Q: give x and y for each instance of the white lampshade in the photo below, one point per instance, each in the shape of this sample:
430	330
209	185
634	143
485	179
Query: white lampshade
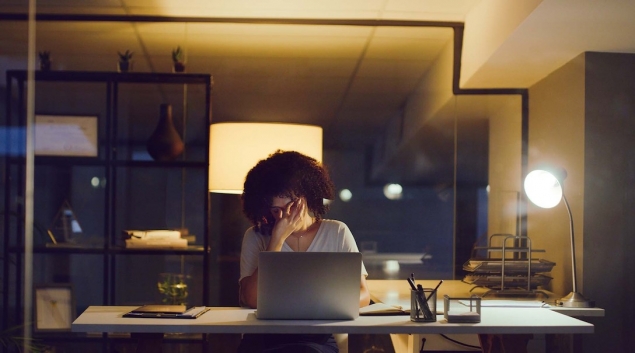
543	188
235	148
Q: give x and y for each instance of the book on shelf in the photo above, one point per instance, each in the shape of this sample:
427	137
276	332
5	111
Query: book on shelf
156	243
154	234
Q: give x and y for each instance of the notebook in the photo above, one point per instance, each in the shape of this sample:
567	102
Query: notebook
167	311
308	285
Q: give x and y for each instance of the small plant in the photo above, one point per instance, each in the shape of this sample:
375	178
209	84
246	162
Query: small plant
173	287
177	55
177	58
45	60
125	57
125	61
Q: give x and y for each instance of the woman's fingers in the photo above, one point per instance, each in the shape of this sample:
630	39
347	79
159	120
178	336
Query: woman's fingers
298	210
289	208
291	215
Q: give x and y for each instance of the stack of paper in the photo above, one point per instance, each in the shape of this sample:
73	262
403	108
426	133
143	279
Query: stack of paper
382	309
167	311
154	239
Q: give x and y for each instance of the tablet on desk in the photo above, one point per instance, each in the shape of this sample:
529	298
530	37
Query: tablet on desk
167	311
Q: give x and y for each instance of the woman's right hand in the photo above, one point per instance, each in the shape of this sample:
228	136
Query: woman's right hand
288	220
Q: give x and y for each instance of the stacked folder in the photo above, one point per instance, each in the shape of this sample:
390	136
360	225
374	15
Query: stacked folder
160	238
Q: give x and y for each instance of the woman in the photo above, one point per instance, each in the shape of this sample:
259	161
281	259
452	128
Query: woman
283	198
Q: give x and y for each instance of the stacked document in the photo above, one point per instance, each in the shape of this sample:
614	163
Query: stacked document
159	238
167	312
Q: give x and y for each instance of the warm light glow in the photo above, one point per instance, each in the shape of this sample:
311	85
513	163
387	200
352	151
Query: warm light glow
346	195
235	148
391	267
543	189
393	191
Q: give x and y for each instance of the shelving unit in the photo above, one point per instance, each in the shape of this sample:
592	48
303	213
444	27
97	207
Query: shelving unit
121	188
513	272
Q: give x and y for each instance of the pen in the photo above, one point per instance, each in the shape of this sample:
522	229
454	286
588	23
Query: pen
419	297
434	290
412	284
423	303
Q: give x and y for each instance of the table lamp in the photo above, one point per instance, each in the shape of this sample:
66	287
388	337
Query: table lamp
544	188
235	148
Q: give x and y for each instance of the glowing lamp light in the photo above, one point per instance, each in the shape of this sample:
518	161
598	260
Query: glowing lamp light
235	148
545	189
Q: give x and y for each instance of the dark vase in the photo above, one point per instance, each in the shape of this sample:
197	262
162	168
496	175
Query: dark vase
124	66
45	65
165	144
178	67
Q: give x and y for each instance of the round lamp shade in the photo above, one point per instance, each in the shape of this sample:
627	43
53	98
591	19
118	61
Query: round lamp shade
235	148
543	188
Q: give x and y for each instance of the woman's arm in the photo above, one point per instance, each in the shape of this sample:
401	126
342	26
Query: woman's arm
248	290
287	222
364	293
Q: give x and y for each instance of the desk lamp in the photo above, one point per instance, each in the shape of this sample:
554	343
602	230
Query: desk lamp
544	188
234	148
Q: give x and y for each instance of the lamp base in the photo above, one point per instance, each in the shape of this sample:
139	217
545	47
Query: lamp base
575	300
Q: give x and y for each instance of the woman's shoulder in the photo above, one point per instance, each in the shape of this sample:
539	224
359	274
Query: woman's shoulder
252	233
332	224
254	240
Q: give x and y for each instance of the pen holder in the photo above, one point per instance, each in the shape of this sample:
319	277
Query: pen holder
462	309
423	305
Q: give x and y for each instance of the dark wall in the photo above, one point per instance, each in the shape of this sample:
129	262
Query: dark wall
609	197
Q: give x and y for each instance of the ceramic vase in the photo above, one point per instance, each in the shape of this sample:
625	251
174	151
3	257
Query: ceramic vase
124	66
165	143
178	67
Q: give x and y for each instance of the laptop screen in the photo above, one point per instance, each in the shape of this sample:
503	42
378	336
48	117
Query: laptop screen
308	285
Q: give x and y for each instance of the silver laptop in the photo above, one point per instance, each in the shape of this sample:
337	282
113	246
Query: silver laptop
308	285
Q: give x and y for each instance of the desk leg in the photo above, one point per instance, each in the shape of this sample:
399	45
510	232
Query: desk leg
516	343
148	342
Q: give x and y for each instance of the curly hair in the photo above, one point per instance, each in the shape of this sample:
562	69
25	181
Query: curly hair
285	174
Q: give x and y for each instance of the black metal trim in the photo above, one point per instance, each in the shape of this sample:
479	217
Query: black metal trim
237	20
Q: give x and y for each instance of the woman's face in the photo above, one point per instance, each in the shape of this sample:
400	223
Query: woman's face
280	204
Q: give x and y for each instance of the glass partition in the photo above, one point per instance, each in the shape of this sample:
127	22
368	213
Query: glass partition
383	95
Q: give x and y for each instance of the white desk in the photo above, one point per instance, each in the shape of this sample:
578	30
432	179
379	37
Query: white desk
238	320
397	292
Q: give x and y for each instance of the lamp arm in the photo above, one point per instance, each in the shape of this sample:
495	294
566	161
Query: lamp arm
575	283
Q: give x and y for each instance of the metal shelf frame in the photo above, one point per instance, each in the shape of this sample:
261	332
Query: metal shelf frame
14	174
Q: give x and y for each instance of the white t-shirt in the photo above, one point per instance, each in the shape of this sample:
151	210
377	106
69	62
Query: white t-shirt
332	236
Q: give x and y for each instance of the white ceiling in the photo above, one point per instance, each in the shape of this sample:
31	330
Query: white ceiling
344	78
444	10
549	36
